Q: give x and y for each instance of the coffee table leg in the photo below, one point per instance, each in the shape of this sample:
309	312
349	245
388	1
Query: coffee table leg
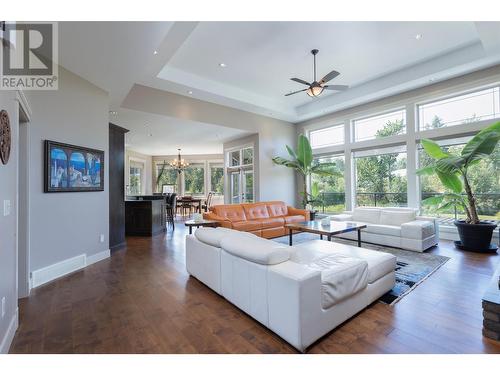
359	238
320	236
290	237
329	238
190	229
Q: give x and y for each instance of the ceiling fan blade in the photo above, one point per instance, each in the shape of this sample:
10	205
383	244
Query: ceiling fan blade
336	87
329	76
300	81
295	92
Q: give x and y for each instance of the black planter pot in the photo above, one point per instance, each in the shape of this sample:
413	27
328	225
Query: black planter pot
475	237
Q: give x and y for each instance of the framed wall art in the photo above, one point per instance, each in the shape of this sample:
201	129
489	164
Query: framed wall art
70	168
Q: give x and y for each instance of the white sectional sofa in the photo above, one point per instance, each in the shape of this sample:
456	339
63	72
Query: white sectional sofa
393	226
300	292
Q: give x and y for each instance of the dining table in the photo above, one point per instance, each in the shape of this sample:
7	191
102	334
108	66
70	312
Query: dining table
194	202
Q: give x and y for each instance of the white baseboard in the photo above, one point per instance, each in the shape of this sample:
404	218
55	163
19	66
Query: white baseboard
91	259
54	271
9	335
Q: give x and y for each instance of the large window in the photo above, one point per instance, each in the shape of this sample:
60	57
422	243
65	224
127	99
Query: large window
381	177
484	178
384	125
136	174
331	136
194	179
165	175
328	192
476	106
217	179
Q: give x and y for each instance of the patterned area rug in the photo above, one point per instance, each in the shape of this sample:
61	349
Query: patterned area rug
412	267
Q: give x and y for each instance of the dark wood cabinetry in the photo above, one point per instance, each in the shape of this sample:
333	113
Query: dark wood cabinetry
144	217
116	186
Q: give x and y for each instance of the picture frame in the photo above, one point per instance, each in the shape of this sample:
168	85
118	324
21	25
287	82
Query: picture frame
70	168
168	188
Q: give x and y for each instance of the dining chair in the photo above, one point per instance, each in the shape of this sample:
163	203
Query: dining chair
208	202
186	205
171	209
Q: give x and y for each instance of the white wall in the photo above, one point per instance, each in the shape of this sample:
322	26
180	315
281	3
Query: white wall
272	182
147	160
8	256
65	225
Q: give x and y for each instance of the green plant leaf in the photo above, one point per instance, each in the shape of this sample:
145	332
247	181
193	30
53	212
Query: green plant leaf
433	149
287	163
291	152
433	201
482	145
451	164
426	170
315	189
450	181
446	206
304	152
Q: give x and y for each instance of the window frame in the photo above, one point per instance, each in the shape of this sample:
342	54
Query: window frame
451	95
324	128
379	114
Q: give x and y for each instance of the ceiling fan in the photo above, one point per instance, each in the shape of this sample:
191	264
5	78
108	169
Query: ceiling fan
316	88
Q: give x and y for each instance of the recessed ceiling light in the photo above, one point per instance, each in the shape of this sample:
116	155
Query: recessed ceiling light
222	65
418	36
113	113
155	52
190	92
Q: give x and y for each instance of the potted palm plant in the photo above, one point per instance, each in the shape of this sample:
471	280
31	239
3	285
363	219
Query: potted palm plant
452	170
301	160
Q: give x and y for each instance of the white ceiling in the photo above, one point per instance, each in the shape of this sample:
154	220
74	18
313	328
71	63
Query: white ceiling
153	134
375	59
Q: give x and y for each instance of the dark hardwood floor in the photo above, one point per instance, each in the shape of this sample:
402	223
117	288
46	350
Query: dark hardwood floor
141	300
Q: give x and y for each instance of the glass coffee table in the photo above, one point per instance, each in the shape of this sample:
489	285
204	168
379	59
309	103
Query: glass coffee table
328	230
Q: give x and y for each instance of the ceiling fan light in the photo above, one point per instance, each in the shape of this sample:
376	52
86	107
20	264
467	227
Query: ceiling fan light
314	91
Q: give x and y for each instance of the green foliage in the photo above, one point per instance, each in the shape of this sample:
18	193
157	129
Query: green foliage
194	180
165	176
378	173
217	180
301	160
454	170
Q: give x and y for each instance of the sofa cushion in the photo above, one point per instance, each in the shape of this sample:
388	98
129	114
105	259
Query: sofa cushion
277	209
379	263
341	277
248	226
232	212
388	230
272	222
367	214
418	229
213	236
257	250
255	211
294	219
389	217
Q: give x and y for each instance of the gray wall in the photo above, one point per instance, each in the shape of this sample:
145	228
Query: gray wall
8	191
64	225
272	182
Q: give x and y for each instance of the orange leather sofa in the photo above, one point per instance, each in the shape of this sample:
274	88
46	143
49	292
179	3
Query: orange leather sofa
265	219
